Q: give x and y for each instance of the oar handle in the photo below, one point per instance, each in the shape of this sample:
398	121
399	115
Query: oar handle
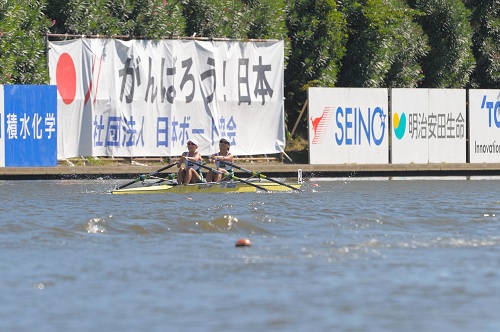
206	167
163	168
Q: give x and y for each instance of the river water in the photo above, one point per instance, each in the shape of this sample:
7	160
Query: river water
345	255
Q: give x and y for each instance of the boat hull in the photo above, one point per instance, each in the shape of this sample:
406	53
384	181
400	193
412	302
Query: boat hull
210	187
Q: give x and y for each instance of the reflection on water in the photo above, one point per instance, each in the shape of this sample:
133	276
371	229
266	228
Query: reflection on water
349	255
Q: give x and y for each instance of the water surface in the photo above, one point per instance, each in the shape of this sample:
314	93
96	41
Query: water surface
345	255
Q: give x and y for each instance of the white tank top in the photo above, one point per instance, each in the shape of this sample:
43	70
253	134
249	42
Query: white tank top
222	164
190	164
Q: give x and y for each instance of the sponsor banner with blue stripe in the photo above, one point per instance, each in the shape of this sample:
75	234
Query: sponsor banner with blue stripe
29	129
348	126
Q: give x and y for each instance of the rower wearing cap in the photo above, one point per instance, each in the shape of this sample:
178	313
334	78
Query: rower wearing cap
220	158
188	171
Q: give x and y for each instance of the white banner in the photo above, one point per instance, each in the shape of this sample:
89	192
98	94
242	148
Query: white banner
407	144
429	126
147	98
348	125
484	119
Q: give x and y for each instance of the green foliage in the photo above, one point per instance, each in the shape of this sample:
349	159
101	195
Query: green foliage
385	45
241	19
268	19
450	61
217	19
22	46
317	32
157	18
485	23
411	45
55	11
86	17
151	19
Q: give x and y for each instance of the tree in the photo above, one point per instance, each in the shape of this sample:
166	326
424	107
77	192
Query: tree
56	12
85	17
216	19
385	45
317	32
486	47
245	19
22	46
268	19
157	18
450	62
135	18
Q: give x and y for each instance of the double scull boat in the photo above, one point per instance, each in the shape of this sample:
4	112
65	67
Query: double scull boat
211	187
261	183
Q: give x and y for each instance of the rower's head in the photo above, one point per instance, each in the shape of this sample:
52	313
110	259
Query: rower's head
192	143
224	142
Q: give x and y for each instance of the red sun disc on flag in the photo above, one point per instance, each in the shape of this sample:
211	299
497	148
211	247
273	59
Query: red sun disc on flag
66	78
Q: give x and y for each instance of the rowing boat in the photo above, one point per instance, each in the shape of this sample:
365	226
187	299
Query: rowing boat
210	187
234	185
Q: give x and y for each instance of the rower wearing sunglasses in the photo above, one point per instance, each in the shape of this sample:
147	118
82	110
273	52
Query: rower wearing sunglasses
188	171
220	158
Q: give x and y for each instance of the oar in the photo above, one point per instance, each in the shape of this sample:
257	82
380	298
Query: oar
262	176
232	177
143	176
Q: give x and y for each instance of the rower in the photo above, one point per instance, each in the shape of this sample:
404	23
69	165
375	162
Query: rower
220	159
190	172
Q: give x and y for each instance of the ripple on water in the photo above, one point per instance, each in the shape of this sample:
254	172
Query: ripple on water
344	255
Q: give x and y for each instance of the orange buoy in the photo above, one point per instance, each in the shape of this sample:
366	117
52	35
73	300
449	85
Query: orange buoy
243	243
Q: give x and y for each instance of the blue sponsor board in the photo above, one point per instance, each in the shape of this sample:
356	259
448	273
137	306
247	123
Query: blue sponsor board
29	127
